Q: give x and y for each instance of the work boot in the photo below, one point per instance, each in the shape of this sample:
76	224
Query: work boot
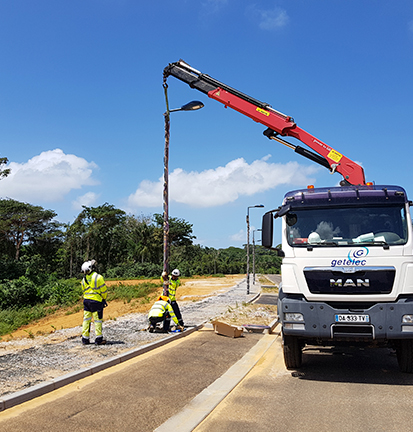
85	341
100	341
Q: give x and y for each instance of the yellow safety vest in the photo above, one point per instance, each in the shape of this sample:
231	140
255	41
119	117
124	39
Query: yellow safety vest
159	309
94	287
172	287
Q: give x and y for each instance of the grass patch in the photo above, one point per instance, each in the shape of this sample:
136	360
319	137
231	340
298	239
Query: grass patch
13	319
129	292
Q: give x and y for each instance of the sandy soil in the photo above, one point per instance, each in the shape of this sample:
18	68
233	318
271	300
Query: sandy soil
193	289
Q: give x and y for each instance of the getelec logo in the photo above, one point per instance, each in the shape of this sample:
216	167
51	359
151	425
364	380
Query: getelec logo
356	257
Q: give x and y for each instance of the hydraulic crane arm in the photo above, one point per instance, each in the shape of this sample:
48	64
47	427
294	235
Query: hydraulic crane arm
278	124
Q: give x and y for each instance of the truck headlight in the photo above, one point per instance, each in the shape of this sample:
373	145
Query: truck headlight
298	317
407	319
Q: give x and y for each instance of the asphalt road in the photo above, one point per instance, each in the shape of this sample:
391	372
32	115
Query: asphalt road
358	391
275	279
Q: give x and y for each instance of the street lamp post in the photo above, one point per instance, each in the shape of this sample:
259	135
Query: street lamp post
253	255
248	245
191	106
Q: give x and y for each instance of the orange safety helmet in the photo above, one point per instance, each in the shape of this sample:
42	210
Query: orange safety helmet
164	298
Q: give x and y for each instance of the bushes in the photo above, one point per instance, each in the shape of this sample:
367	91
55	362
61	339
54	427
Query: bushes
18	293
23	292
60	292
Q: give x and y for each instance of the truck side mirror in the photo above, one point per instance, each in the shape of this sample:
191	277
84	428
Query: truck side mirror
267	230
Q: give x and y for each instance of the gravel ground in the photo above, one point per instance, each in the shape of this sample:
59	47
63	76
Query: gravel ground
25	363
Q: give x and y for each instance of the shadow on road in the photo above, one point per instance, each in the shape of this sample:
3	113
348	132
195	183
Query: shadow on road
370	366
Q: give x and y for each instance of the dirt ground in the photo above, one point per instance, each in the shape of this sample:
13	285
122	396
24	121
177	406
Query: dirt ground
193	289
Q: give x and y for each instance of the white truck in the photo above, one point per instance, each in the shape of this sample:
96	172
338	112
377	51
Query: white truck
347	270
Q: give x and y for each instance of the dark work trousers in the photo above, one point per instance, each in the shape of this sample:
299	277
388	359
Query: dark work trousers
166	321
177	312
93	306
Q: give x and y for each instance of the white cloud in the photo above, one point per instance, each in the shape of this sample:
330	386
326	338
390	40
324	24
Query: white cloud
47	177
222	185
240	236
88	199
269	19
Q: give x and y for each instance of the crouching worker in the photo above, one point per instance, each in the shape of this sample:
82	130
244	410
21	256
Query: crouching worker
162	311
94	300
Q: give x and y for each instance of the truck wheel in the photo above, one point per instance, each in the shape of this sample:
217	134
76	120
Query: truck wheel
293	355
404	352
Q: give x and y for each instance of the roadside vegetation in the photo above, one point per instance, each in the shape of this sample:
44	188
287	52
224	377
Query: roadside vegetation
41	258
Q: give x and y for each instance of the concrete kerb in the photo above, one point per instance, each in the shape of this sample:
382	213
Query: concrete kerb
25	395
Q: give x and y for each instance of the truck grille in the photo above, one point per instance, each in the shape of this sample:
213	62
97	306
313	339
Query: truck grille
350	280
351	332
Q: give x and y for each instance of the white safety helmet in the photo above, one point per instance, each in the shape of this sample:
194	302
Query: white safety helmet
314	238
87	266
176	272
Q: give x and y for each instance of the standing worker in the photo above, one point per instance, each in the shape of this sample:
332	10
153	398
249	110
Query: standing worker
173	283
162	311
94	300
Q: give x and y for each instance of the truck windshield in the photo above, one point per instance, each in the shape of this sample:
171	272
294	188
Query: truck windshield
376	225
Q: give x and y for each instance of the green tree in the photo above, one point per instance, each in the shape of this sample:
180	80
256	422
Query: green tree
100	235
22	223
4	172
140	239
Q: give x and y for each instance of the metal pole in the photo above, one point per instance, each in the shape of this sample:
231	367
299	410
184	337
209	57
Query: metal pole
253	257
165	193
190	106
248	245
248	250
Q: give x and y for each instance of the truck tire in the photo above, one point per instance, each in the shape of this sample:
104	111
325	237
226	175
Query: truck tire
293	355
404	352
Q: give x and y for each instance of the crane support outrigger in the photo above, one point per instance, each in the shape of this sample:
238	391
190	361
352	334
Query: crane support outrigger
278	124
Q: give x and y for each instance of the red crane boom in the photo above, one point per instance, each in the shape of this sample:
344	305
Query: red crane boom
278	124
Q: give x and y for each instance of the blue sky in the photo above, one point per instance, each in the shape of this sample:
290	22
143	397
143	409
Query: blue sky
82	102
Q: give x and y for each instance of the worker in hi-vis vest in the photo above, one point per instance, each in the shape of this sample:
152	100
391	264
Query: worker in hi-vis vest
173	282
161	311
94	300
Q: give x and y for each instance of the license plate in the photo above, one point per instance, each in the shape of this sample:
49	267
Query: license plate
352	318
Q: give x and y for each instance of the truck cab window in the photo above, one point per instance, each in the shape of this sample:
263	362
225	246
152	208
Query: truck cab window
347	226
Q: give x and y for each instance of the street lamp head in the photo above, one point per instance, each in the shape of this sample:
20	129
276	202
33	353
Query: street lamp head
256	206
190	106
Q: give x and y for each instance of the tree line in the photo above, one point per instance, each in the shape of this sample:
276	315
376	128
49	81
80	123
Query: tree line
34	245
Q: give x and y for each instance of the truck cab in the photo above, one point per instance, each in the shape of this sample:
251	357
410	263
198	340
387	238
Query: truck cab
347	271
